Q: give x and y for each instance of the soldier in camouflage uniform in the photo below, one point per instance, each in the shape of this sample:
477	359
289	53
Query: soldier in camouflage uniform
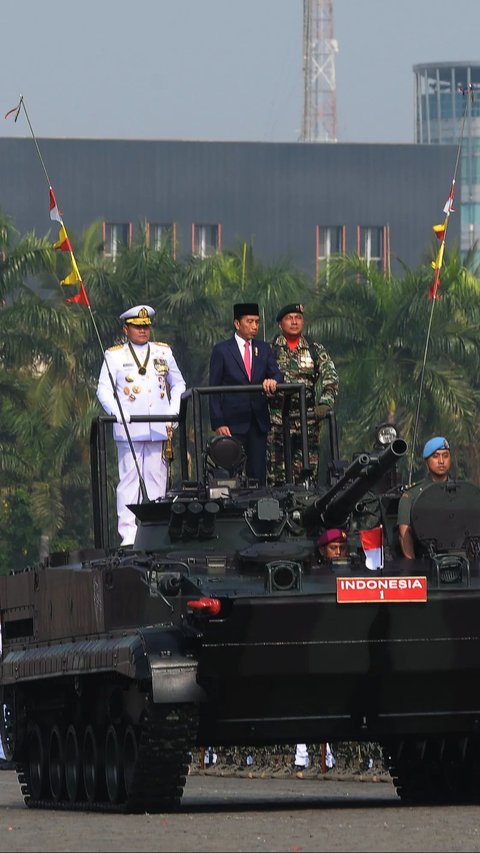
300	360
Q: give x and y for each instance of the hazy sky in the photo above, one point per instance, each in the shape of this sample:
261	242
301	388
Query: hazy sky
218	69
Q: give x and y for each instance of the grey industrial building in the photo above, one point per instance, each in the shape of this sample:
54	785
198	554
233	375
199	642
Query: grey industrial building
296	202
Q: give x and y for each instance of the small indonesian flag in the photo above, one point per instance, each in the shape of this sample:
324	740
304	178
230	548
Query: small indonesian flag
372	544
448	208
15	110
54	214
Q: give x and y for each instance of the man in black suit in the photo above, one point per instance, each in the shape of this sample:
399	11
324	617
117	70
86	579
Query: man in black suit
241	360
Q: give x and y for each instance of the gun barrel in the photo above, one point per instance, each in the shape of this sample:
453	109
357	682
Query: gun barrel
353	471
333	508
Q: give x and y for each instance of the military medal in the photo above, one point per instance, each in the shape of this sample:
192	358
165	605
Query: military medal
142	368
126	390
129	378
161	367
136	389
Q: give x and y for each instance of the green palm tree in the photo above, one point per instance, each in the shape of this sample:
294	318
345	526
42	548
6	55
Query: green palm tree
47	426
270	285
20	258
375	327
52	462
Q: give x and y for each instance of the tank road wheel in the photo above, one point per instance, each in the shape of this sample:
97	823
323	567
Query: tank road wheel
37	763
130	755
432	770
114	766
93	770
56	763
73	765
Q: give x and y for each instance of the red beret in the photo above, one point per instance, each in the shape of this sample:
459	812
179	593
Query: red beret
332	535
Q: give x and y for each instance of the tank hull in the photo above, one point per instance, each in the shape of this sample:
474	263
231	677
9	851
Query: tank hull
270	667
225	625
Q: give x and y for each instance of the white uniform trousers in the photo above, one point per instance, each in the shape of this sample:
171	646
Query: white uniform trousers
153	468
301	755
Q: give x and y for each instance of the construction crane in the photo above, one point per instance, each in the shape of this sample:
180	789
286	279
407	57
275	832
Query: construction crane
319	49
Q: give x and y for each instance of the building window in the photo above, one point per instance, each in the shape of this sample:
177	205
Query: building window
206	240
330	242
115	235
162	236
372	245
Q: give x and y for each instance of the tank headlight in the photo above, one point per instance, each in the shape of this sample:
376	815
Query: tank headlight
451	568
386	434
283	576
225	451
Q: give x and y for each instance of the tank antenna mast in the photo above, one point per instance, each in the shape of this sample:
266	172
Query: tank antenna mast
441	234
81	297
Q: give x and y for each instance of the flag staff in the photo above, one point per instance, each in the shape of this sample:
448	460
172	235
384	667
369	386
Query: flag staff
81	297
21	105
244	264
441	233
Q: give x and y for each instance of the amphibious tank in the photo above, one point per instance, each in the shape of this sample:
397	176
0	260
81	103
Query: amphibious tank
224	625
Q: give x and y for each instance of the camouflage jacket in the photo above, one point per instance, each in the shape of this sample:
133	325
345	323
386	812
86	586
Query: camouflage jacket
319	375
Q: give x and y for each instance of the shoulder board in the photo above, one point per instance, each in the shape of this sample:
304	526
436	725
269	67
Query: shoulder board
117	346
161	344
316	347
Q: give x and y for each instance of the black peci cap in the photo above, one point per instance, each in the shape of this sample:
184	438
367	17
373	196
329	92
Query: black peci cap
242	308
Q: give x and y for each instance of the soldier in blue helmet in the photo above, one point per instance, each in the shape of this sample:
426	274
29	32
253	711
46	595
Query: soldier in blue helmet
438	460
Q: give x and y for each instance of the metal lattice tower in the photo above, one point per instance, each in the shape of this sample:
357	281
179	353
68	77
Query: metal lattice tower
319	49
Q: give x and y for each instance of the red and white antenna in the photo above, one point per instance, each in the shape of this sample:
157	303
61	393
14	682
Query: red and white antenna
319	49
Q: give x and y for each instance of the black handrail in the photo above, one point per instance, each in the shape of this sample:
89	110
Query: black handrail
288	388
98	443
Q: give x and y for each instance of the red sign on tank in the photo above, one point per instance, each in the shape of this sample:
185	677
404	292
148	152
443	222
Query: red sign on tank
372	590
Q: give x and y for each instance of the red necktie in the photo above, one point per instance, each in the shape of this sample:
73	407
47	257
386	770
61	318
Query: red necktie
247	360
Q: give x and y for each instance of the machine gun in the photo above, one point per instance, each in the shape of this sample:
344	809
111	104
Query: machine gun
333	507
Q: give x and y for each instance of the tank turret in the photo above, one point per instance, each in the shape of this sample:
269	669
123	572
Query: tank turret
445	521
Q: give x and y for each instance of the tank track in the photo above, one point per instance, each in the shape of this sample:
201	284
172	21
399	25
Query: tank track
441	769
159	775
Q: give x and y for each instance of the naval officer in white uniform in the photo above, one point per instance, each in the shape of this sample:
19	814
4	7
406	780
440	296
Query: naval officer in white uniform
148	382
